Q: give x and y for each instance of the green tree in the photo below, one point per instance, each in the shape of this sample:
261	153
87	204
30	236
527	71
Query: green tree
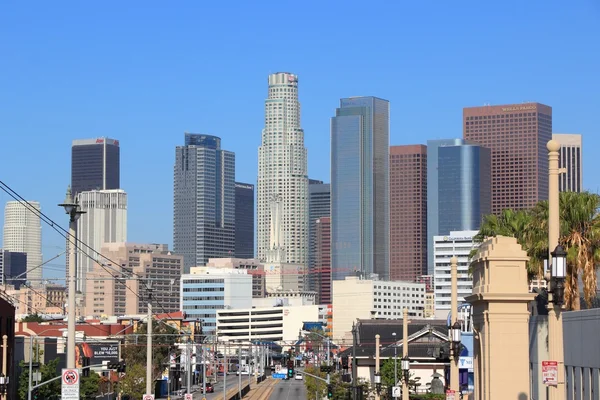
315	388
89	386
49	391
33	318
134	381
579	235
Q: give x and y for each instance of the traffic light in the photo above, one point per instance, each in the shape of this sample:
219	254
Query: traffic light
119	366
35	394
329	391
290	373
85	364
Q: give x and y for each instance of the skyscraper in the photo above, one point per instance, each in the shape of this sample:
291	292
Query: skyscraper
322	271
408	212
319	206
360	187
23	234
517	135
282	172
203	200
571	159
244	220
464	187
12	265
104	221
432	193
95	164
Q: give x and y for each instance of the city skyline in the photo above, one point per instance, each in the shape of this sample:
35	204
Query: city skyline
144	100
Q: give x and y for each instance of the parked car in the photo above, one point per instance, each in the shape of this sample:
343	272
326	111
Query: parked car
299	376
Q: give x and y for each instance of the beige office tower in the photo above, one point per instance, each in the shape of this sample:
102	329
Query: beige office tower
282	175
23	234
137	266
571	159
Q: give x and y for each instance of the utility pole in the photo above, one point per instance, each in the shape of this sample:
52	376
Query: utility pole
189	366
4	355
404	351
30	366
240	370
149	342
225	368
377	338
204	370
454	385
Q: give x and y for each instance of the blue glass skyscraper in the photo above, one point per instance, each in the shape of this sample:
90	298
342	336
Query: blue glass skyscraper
360	188
203	200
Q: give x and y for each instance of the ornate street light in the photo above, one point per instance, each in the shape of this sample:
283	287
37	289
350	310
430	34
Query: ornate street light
559	274
405	365
455	333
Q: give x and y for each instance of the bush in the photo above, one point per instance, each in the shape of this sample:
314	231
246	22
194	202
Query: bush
427	396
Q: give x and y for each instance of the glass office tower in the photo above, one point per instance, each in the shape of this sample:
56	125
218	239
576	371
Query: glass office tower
360	188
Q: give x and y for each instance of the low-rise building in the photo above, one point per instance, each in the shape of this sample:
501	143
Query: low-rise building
355	298
276	324
252	265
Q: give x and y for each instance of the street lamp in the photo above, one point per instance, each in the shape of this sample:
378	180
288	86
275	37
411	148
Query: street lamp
455	333
378	381
3	383
395	356
405	365
72	210
559	274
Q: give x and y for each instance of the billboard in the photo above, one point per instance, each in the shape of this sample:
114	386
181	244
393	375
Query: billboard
97	352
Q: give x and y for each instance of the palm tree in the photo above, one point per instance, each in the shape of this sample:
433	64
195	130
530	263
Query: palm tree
579	235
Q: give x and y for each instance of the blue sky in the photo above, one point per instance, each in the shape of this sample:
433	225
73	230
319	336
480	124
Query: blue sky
144	72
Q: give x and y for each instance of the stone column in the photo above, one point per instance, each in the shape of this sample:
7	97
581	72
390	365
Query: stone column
500	320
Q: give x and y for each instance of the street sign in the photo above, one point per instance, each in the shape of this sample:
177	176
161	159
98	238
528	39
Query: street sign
279	376
396	391
188	397
70	384
148	397
550	372
450	395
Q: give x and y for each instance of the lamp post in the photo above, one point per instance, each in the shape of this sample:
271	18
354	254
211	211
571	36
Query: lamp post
395	356
72	210
4	379
377	384
555	332
377	375
405	354
454	330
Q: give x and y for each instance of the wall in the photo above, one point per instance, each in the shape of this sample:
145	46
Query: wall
538	352
582	354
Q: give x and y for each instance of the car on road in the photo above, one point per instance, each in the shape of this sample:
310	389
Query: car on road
210	388
299	376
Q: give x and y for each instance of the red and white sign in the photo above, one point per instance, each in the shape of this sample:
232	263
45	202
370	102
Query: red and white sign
550	372
148	397
70	376
188	397
70	384
450	395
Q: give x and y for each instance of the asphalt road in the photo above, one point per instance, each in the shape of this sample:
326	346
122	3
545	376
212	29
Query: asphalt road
232	381
289	390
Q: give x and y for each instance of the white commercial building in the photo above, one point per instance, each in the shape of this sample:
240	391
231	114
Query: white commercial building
104	221
282	175
207	290
571	159
277	324
355	298
459	244
23	234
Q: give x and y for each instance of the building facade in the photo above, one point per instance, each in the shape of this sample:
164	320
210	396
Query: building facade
203	200
146	269
23	234
95	164
13	268
432	193
571	159
464	187
408	212
459	244
207	290
517	135
104	221
252	265
355	298
282	172
319	207
271	324
360	187
244	220
322	271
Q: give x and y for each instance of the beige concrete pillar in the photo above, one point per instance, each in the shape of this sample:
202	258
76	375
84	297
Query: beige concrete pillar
555	325
404	351
377	338
454	379
500	320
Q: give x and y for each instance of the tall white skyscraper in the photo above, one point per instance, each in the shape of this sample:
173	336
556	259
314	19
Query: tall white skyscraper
104	221
282	173
23	233
571	159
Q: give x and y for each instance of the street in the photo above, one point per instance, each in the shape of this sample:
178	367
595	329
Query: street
289	390
232	381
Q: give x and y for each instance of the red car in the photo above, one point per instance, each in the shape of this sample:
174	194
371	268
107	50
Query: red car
209	388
